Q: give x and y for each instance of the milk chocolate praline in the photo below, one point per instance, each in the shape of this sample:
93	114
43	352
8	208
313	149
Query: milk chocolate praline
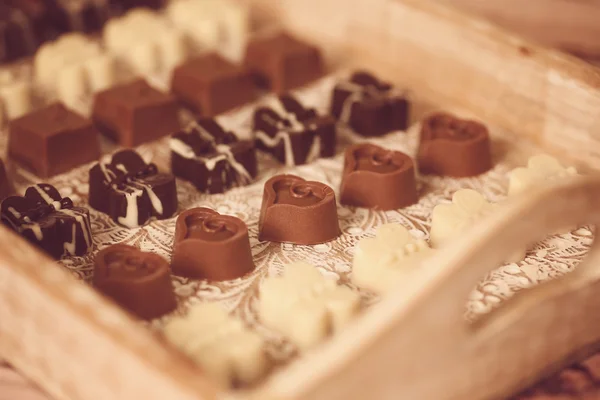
375	177
453	147
298	211
139	282
211	246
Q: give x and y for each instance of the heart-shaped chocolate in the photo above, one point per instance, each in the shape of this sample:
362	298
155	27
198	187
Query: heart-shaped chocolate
453	147
298	211
131	191
139	282
48	220
375	177
211	246
369	106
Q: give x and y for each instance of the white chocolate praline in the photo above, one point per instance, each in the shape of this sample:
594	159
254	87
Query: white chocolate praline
381	262
541	169
221	25
219	343
145	41
304	306
447	220
73	66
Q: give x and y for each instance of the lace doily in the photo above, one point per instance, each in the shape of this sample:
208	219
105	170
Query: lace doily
548	259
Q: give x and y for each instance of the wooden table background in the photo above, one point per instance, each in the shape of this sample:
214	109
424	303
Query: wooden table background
570	25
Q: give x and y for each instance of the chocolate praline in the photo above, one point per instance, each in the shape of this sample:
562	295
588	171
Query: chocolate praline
375	177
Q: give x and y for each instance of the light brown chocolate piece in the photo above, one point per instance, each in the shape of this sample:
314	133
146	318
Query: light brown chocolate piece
375	177
453	147
139	282
298	211
211	246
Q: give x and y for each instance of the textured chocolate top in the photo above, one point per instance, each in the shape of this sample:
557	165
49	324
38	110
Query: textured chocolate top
52	120
135	94
209	67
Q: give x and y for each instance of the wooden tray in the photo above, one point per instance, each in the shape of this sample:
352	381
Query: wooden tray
414	344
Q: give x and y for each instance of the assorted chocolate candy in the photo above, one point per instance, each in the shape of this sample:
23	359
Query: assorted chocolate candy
211	246
134	113
131	191
213	159
137	281
374	177
49	221
369	106
292	133
210	85
282	62
298	211
52	140
454	147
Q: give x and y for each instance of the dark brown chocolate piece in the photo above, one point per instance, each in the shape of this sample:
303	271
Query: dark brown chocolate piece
137	281
297	211
211	246
17	36
375	177
124	5
213	159
453	147
135	113
6	187
294	134
210	85
282	62
131	191
49	221
53	140
80	15
369	106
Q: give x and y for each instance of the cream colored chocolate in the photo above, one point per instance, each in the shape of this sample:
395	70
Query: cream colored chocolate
145	41
72	66
220	25
541	169
381	262
219	343
15	96
304	306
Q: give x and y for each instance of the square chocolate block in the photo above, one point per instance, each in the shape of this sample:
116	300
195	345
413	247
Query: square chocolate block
292	133
52	140
135	113
210	85
369	106
282	62
213	159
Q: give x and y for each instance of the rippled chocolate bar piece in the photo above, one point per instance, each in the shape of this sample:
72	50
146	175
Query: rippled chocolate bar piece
49	221
137	281
53	140
6	187
80	15
374	177
131	191
297	211
210	85
211	246
134	113
453	147
282	62
213	159
369	106
294	134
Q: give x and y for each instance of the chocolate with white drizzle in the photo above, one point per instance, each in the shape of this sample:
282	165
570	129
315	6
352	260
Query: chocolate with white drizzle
131	191
369	106
211	158
294	134
48	220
